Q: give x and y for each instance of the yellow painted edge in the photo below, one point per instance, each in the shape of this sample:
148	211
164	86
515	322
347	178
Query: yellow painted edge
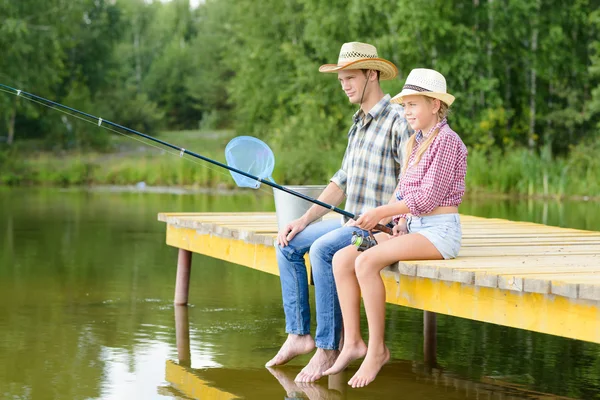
191	385
256	256
545	313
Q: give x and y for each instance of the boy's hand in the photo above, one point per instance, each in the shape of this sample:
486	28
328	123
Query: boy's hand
290	230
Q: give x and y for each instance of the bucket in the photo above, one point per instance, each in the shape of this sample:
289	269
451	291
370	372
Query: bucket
289	207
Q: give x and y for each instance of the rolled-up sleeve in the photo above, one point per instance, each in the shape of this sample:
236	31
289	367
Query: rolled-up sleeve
340	178
442	159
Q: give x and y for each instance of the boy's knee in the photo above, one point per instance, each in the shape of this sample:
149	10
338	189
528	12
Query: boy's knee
318	250
288	253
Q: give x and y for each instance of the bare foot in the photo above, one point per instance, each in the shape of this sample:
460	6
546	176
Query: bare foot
370	367
321	361
350	352
294	345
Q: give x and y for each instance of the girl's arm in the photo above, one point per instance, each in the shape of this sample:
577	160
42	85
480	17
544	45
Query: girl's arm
369	219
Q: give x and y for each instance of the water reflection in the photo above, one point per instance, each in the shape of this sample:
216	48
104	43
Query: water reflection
415	380
335	389
86	294
182	334
565	213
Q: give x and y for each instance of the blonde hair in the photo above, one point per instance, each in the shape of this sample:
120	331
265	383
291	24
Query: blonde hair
410	145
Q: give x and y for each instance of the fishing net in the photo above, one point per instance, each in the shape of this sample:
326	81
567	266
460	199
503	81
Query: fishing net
252	156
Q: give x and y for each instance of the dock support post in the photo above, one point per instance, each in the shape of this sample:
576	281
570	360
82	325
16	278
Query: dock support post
182	283
182	335
430	337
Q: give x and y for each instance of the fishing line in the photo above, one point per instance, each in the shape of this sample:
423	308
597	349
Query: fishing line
98	123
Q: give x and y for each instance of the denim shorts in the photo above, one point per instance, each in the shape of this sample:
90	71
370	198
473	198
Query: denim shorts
443	230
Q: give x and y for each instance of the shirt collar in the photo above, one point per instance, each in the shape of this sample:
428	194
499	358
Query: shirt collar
376	110
420	136
380	106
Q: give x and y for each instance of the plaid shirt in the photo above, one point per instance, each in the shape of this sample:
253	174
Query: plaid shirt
438	180
373	158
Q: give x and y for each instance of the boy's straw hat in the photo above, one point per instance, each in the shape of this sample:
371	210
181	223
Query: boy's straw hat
425	82
356	55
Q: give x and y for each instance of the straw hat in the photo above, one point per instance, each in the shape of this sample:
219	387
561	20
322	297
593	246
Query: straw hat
356	55
425	82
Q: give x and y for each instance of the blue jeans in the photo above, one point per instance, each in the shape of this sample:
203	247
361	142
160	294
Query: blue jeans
323	239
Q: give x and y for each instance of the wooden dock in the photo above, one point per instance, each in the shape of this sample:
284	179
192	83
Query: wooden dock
518	274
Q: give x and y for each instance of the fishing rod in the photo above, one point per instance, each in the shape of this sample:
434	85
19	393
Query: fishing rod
182	151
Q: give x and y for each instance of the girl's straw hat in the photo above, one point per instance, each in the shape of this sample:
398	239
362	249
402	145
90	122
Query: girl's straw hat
425	82
356	55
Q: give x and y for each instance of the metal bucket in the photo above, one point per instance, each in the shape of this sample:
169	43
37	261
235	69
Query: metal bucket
289	207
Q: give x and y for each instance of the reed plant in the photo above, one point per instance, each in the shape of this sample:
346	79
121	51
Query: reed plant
520	171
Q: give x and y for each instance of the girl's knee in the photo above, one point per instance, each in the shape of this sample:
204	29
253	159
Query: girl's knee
343	261
364	266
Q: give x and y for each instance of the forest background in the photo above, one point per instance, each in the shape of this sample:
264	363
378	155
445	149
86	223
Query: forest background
526	74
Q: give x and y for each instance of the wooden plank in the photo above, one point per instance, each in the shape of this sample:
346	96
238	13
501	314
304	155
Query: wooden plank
483	251
508	261
509	241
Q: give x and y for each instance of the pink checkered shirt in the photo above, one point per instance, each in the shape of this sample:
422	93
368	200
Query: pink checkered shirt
438	180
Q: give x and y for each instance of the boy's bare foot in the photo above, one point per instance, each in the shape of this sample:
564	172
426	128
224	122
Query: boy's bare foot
370	367
349	353
321	361
294	345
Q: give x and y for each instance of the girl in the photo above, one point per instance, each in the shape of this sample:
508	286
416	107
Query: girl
428	226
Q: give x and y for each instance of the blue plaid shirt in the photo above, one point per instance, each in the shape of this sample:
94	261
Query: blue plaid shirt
373	159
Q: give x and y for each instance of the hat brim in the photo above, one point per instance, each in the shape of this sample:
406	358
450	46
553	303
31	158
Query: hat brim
445	97
386	68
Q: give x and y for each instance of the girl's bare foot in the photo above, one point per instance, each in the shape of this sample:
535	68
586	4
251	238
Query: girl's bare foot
350	352
370	367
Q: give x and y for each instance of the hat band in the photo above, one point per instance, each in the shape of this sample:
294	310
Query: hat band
355	55
416	88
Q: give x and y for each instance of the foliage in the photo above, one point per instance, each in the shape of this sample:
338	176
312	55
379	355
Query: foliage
526	75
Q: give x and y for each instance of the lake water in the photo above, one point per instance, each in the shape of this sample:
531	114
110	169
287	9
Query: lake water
86	293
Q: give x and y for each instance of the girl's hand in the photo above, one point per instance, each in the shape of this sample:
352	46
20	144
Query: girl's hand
368	220
401	228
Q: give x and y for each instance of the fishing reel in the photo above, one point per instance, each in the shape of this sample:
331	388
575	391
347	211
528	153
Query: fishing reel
363	242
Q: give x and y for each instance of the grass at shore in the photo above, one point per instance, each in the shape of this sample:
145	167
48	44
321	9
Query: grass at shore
129	162
518	172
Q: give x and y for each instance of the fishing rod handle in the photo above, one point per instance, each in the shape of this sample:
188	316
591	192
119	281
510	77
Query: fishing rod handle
383	228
